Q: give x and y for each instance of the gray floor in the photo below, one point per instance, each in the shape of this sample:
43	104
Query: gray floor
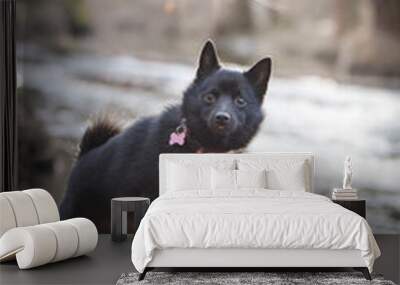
110	260
103	266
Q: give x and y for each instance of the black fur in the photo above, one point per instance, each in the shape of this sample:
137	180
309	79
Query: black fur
223	112
99	132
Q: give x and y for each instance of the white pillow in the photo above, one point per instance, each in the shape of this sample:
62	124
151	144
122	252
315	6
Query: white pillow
282	174
251	178
181	177
292	179
230	180
223	179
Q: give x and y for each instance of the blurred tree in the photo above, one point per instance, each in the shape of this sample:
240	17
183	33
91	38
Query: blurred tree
78	20
387	16
370	43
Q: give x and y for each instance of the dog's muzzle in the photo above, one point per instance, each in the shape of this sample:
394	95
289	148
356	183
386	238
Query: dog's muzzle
221	123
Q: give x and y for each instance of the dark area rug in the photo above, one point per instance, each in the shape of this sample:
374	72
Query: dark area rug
228	278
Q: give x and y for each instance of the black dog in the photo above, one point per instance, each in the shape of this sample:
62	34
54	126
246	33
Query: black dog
220	112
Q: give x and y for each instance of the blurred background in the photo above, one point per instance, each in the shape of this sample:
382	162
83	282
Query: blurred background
335	89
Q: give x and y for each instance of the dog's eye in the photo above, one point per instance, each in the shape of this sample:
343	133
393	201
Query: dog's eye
240	102
209	98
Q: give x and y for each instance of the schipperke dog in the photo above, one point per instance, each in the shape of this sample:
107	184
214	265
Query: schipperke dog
220	112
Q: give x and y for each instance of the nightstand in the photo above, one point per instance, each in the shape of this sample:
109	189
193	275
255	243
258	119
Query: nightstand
119	210
357	206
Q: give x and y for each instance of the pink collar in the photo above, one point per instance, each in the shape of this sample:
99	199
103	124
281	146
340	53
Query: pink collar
179	135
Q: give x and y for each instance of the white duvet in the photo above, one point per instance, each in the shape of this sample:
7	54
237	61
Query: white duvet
250	219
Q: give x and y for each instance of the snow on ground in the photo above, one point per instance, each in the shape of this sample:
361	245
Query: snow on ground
303	114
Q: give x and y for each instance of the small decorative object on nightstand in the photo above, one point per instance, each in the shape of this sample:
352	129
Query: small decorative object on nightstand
357	206
348	173
119	209
347	192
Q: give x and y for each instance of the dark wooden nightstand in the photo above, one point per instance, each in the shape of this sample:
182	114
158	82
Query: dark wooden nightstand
357	206
119	211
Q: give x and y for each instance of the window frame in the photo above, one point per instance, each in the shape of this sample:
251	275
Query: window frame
8	97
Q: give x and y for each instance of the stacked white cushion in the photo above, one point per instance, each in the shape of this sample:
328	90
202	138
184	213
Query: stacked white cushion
7	218
45	205
31	231
23	208
41	244
26	208
32	246
66	236
87	235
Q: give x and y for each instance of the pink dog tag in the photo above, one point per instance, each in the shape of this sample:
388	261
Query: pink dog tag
177	138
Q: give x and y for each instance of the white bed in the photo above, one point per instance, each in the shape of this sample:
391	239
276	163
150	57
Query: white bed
249	227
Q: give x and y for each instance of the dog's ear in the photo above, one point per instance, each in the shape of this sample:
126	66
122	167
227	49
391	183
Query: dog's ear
208	61
258	76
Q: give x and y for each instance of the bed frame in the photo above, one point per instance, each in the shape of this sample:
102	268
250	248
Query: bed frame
259	259
249	259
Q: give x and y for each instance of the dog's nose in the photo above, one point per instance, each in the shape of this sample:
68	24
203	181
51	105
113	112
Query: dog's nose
222	118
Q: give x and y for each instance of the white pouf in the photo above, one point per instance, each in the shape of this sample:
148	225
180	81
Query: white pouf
31	231
7	219
26	208
45	206
37	245
23	208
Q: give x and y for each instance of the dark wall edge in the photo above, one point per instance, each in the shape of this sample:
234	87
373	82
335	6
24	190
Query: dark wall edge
8	98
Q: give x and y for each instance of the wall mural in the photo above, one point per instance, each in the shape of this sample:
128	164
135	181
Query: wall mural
105	86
